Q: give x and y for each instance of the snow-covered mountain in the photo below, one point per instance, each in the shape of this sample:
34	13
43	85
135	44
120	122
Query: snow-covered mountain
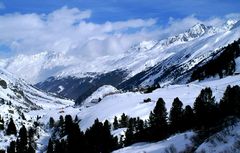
136	59
141	65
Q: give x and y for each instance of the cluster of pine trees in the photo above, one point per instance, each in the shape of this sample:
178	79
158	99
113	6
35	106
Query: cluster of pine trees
159	126
25	139
222	64
96	139
205	114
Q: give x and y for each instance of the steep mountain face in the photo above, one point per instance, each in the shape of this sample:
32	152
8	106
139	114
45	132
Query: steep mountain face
19	94
166	61
81	88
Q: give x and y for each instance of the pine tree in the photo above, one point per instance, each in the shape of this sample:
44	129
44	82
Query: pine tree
51	122
188	118
139	125
176	116
129	135
50	146
11	129
68	124
23	141
230	103
99	138
158	121
31	133
76	120
111	142
30	149
115	123
12	147
61	121
23	116
205	108
123	120
75	139
60	147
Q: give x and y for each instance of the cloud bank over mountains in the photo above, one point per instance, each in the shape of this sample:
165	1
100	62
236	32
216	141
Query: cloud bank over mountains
71	31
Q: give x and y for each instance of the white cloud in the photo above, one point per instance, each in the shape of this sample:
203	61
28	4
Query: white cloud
69	30
175	26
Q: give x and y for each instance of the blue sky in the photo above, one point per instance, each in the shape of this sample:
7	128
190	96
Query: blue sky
115	10
100	27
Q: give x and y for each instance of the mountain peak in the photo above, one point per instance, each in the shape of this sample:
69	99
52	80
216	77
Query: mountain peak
228	25
235	25
198	30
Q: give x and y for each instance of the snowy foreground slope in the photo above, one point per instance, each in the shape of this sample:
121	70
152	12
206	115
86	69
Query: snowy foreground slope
179	142
17	98
226	141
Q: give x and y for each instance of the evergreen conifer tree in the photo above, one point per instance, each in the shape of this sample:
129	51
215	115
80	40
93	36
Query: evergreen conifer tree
76	120
30	149
176	116
23	141
230	103
188	118
115	123
61	121
205	108
50	146
12	147
158	121
129	135
11	129
51	122
123	120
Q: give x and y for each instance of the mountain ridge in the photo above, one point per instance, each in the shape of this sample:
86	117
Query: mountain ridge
50	63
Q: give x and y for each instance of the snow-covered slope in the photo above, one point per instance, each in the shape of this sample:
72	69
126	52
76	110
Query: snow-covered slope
177	143
100	93
23	95
17	99
226	140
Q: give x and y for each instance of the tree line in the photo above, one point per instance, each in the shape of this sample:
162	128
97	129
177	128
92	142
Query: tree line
222	64
95	139
205	114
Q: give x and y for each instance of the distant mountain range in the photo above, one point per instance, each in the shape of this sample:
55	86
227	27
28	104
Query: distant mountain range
166	61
